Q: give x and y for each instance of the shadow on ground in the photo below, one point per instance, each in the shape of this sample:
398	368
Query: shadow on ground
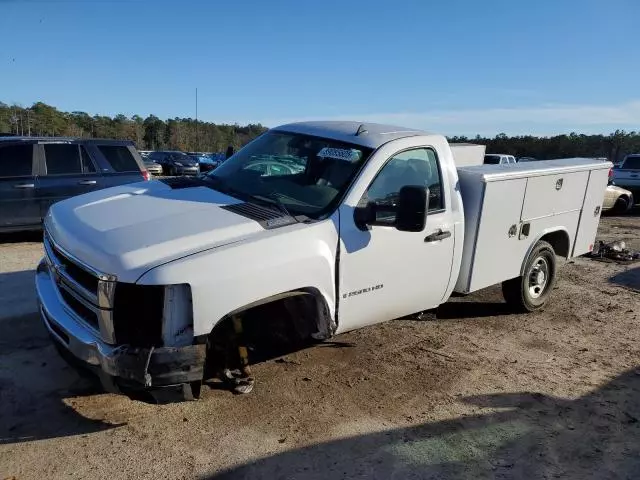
37	387
20	237
453	310
527	436
629	278
17	294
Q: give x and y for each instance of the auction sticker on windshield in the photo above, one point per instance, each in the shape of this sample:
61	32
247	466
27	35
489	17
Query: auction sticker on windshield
344	154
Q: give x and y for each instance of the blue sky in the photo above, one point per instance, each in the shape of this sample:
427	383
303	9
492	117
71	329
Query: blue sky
455	66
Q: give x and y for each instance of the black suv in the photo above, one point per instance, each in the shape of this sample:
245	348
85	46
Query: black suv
36	172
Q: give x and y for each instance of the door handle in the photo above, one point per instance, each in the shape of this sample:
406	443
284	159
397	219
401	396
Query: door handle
439	235
24	185
87	182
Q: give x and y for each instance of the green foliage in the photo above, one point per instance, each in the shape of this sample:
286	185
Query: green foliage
150	133
613	146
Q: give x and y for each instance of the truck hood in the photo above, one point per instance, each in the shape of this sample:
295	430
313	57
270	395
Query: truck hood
127	230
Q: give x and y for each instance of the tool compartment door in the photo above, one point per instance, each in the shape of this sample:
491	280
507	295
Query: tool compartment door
552	194
497	253
591	210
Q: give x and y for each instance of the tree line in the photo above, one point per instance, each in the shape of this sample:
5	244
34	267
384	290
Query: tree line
153	133
150	133
613	146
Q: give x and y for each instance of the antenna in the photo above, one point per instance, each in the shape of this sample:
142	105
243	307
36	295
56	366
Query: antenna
197	143
361	130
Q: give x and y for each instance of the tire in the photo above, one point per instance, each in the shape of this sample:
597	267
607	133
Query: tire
621	206
531	291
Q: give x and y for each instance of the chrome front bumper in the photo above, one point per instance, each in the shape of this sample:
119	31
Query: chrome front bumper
138	367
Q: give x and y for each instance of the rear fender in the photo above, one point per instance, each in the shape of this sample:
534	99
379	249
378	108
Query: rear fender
559	239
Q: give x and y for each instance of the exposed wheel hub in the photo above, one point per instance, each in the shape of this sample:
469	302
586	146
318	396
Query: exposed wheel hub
538	277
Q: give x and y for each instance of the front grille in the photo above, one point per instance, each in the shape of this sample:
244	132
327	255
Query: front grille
80	290
78	274
127	314
81	310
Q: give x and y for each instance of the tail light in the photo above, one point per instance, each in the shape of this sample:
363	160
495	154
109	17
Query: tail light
146	175
610	173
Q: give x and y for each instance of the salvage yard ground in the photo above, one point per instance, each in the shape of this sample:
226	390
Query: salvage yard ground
470	391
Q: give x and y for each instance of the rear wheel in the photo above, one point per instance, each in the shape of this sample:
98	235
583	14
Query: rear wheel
531	291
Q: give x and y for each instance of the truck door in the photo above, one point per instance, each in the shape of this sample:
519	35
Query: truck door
385	273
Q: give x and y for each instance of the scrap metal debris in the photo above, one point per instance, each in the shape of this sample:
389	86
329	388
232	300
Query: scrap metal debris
614	252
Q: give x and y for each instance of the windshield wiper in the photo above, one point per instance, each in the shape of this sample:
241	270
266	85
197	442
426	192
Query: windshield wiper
273	199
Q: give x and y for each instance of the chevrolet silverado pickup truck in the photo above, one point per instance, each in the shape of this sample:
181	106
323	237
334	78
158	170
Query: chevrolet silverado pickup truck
141	283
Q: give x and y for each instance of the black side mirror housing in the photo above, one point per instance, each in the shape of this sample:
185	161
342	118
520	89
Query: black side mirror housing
413	203
365	216
410	211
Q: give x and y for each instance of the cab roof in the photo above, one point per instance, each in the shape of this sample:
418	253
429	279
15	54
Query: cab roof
365	134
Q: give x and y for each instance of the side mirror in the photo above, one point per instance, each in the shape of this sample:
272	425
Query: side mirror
410	208
365	216
413	202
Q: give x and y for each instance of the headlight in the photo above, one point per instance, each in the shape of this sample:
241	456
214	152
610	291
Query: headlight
177	316
196	164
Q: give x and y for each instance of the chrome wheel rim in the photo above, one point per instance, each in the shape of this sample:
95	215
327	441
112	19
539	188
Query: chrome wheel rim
538	277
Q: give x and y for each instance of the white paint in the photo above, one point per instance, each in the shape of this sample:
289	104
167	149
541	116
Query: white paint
500	197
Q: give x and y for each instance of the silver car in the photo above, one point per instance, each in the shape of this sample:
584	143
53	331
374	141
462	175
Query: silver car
617	200
152	167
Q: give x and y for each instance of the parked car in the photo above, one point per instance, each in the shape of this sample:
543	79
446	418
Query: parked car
173	269
617	200
207	164
205	160
175	163
627	175
152	167
495	159
37	172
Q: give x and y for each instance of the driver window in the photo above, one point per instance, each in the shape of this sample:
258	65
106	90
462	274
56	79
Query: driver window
412	167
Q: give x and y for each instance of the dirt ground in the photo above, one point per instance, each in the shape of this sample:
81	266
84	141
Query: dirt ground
470	391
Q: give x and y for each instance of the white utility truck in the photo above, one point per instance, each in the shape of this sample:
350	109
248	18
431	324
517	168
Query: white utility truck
334	225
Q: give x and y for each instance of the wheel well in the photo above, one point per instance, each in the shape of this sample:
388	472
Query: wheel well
560	242
272	325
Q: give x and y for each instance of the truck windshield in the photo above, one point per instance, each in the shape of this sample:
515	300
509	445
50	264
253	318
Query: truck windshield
306	175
